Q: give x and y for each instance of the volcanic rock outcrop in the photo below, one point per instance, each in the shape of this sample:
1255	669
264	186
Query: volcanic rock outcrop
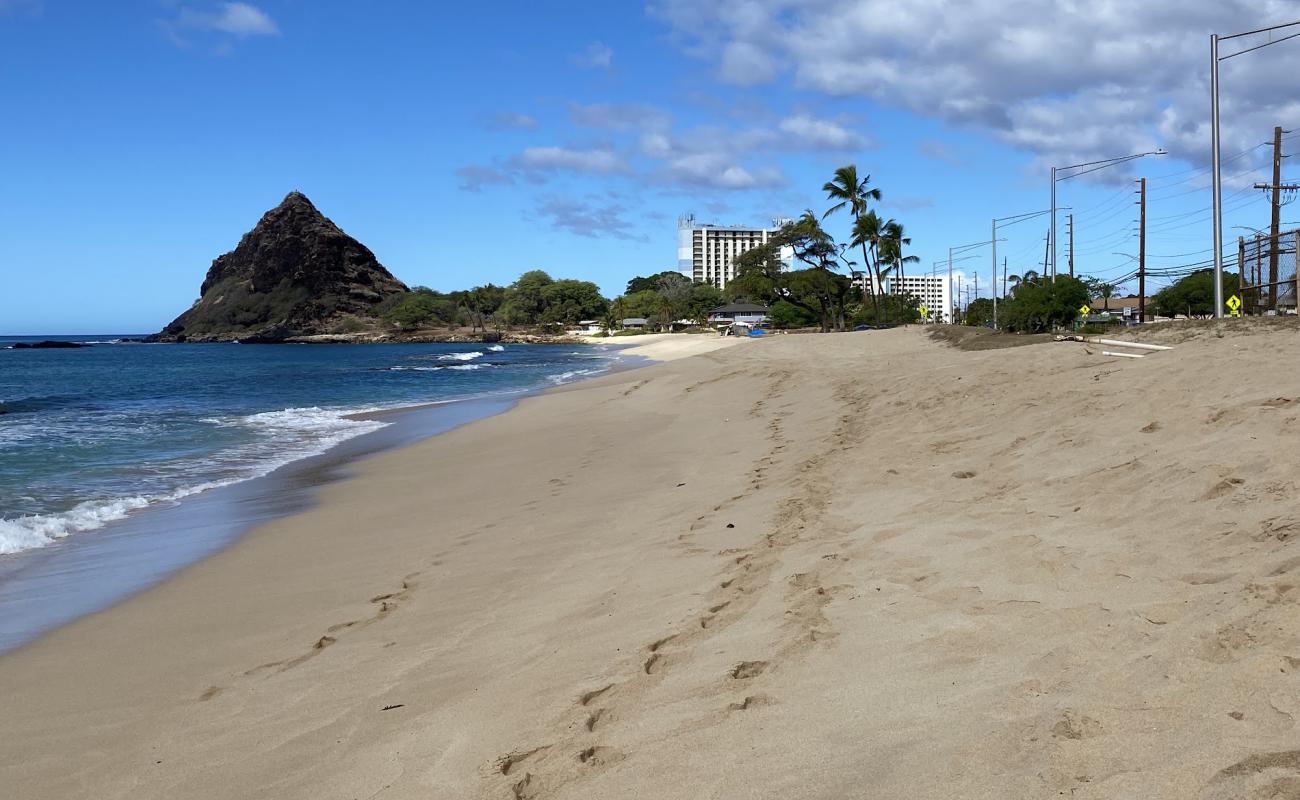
295	274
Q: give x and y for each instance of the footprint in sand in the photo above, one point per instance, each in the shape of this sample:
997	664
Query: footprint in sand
748	669
1261	776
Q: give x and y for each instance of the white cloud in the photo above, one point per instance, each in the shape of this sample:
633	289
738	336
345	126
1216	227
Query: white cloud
599	161
717	170
807	132
1063	79
590	219
596	56
237	19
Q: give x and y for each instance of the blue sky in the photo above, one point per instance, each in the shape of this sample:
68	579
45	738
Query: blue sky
467	144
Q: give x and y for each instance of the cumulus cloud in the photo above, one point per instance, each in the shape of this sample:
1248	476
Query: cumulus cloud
504	120
599	161
596	56
227	21
1065	80
238	19
808	132
718	171
648	147
587	218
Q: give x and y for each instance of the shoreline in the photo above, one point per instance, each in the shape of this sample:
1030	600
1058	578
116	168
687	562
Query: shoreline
786	569
91	571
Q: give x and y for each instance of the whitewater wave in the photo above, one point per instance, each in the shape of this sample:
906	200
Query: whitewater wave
571	375
468	356
27	533
437	368
290	434
496	348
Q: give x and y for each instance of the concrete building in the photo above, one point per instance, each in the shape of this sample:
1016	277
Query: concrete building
706	253
933	291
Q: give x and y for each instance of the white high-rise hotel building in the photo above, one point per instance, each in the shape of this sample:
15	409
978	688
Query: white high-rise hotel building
934	292
707	253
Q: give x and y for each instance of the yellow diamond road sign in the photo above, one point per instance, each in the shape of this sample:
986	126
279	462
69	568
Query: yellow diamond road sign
1085	310
925	311
1234	304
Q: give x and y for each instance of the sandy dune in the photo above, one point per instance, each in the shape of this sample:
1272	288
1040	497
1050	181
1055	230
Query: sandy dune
862	565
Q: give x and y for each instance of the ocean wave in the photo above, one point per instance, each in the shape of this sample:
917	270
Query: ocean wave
39	530
467	356
290	434
496	348
408	368
573	374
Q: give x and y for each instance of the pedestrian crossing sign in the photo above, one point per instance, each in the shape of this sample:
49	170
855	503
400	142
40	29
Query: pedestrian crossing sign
1084	310
925	312
1234	305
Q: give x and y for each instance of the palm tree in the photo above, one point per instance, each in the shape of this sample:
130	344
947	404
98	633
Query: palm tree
892	248
869	232
856	193
1106	290
1014	280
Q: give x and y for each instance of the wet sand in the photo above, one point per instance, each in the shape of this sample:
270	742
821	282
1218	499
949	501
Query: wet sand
858	565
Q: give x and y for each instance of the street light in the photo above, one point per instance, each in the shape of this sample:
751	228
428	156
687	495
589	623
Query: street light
1095	165
1214	144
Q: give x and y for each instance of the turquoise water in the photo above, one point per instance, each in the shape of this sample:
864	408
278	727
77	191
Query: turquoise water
94	435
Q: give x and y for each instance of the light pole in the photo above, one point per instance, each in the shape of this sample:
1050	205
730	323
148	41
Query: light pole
1217	183
1094	166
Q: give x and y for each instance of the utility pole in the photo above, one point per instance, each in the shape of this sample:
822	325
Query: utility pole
1142	252
1004	276
1047	249
1070	223
994	240
1277	216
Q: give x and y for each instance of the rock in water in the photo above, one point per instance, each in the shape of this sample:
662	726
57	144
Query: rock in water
295	274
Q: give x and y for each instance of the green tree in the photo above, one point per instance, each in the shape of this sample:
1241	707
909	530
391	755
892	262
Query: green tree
421	308
787	315
525	300
568	301
656	281
482	302
704	298
1193	295
1039	307
979	312
643	304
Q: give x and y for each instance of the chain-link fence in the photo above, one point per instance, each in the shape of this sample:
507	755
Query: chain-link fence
1268	273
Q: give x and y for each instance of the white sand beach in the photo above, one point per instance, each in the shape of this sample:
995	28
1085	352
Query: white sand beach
864	565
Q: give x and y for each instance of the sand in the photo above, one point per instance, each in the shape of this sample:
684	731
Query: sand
862	565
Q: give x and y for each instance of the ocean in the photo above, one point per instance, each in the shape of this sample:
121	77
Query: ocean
90	436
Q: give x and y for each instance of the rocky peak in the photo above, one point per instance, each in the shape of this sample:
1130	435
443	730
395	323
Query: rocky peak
295	273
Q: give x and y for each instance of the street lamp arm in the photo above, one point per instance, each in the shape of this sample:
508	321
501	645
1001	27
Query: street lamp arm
1257	47
1261	30
1096	165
